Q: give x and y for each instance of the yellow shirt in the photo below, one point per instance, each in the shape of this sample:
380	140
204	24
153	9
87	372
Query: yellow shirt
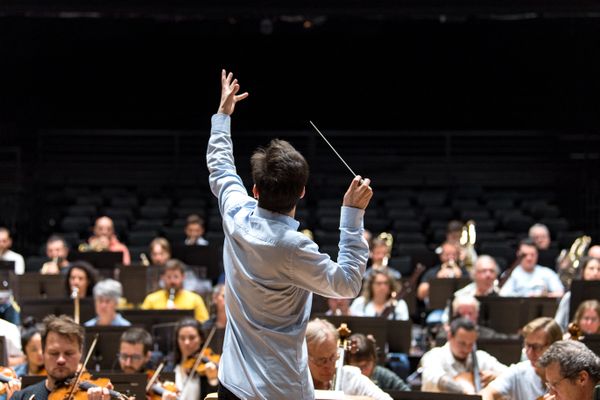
184	300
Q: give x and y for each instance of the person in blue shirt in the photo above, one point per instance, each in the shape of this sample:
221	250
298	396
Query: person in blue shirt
271	269
107	294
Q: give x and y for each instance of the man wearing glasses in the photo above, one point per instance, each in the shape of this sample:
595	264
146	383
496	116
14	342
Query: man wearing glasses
321	340
572	370
134	353
523	381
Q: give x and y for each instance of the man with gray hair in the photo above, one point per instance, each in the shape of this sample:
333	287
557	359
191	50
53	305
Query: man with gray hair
107	294
323	359
484	275
572	370
540	234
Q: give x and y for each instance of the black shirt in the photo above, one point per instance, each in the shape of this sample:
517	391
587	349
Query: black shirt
39	390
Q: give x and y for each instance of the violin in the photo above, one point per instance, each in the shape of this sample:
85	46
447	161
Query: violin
155	388
6	375
76	388
205	357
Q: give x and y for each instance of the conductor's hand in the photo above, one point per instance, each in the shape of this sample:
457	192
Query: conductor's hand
359	193
229	96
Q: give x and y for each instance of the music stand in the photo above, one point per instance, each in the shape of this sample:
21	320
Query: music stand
163	337
28	380
581	291
399	335
6	267
200	256
40	308
107	347
507	351
593	343
400	395
442	289
33	285
128	384
3	350
509	314
216	344
104	261
131	277
148	318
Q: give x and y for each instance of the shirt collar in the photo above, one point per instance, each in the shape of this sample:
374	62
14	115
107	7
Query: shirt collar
286	219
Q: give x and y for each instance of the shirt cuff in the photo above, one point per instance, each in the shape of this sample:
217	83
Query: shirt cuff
221	122
352	217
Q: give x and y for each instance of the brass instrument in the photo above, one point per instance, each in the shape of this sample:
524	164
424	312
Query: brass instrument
96	243
171	299
145	260
75	297
468	237
568	261
389	242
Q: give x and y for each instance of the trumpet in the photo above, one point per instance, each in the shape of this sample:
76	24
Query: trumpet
468	237
568	261
389	242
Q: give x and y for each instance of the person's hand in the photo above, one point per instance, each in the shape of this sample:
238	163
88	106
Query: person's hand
359	193
98	393
486	377
229	96
12	386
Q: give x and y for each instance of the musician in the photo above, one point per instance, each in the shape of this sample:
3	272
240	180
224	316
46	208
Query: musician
587	317
484	275
174	294
218	315
31	342
7	254
104	238
194	231
62	343
338	307
189	341
135	349
589	270
107	294
444	367
376	299
380	251
82	276
13	342
540	235
160	251
523	381
58	251
363	354
271	269
529	279
572	370
322	342
594	251
448	268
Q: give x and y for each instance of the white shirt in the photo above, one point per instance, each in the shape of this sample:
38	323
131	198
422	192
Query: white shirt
10	255
192	389
354	383
13	337
525	284
519	382
439	361
359	309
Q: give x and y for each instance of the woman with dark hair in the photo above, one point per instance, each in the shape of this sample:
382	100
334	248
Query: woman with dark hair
31	343
189	339
377	300
81	278
589	268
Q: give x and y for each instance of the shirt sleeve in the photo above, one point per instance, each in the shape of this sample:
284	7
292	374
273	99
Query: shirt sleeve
401	311
505	382
200	311
432	370
19	265
317	272
356	384
554	283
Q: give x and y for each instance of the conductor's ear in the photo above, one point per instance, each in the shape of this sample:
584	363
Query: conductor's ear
255	192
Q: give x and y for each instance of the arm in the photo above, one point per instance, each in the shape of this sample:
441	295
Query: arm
223	179
489	393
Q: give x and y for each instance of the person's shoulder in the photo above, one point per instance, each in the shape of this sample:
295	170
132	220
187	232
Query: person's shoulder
35	389
154	296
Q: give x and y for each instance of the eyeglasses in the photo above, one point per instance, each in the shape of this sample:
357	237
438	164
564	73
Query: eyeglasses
552	386
322	361
132	357
535	347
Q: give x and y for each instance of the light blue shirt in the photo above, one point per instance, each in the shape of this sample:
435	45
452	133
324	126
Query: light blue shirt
360	309
524	284
117	321
271	270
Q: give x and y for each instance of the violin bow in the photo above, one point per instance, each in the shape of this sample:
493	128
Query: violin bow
78	373
154	376
199	358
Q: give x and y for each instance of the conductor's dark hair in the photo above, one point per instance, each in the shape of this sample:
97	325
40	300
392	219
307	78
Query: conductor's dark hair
280	174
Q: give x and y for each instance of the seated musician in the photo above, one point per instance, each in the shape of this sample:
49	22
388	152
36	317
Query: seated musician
529	279
377	301
571	369
81	278
160	251
484	274
448	268
587	319
322	342
134	354
363	354
105	238
62	343
174	296
107	294
338	307
450	368
31	342
57	250
192	384
379	253
524	380
218	315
